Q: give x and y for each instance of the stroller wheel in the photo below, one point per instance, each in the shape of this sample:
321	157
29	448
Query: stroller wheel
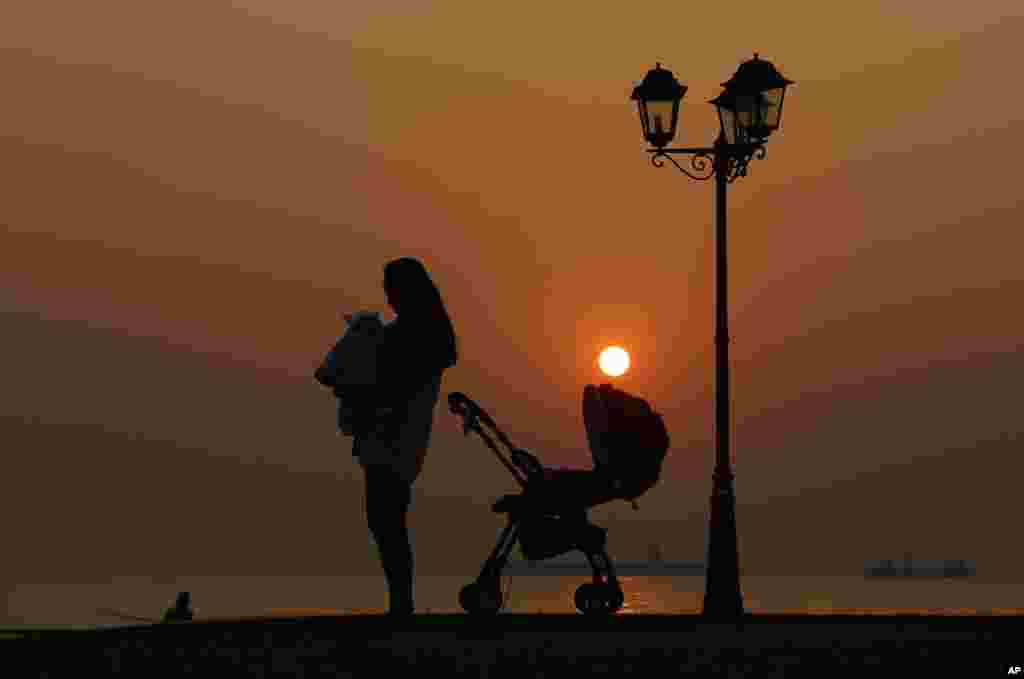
616	599
598	599
481	598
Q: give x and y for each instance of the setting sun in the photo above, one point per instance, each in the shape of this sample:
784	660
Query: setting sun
614	361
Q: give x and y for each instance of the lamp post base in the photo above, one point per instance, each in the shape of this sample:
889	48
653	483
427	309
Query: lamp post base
722	597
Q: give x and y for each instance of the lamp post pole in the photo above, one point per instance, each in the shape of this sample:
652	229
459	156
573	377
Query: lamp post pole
749	109
723	599
722	596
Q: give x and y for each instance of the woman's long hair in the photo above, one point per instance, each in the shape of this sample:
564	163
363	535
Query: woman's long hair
422	306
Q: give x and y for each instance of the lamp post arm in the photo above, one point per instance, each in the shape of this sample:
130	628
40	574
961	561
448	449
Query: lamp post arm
703	159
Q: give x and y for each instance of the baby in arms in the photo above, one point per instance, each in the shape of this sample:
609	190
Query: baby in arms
350	368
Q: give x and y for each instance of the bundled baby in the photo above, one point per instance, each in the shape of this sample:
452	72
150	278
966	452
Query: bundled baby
350	368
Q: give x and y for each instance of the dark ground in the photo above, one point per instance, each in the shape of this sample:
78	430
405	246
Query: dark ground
531	646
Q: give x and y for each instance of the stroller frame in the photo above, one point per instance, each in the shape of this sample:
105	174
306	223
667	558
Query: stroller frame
556	499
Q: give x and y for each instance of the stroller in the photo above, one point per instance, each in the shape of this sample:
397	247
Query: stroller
549	517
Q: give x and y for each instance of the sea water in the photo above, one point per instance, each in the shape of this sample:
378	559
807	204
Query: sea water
117	600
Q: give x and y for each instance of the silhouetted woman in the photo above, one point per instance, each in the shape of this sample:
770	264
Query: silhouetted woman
416	348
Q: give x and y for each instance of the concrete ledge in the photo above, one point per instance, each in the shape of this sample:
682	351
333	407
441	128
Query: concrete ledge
533	645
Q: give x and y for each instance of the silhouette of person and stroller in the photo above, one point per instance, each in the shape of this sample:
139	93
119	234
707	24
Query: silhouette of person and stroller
387	378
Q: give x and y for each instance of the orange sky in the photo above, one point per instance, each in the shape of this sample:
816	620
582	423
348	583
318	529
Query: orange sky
194	194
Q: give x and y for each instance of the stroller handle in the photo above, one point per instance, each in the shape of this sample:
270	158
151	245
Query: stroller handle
467	408
458	402
472	415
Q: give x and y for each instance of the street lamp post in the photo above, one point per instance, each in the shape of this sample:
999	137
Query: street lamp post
749	110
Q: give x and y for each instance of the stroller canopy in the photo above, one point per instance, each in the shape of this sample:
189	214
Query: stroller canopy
627	439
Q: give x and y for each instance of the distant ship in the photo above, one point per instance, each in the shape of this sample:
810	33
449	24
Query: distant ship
575	563
911	568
